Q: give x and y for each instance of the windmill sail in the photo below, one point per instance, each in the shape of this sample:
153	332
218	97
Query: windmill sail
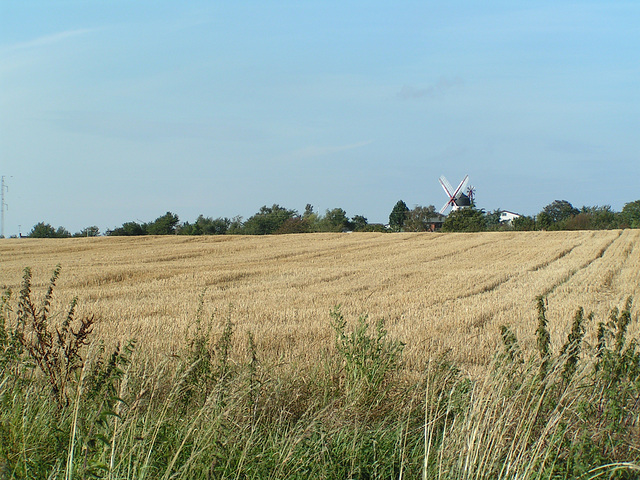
457	198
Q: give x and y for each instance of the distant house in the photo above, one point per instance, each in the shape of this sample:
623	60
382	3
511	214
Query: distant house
507	216
435	223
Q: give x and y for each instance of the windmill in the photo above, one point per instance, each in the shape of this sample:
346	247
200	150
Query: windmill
457	198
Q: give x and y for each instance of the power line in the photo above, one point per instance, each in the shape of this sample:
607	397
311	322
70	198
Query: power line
3	205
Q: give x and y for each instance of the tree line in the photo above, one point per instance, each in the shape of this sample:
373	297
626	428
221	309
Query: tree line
558	215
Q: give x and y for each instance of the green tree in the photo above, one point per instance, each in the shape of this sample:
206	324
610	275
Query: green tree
603	218
311	219
359	223
62	232
335	220
467	219
421	219
398	216
543	221
268	220
294	225
524	223
188	229
630	215
557	212
45	230
375	227
164	225
592	218
128	229
42	230
236	226
205	226
217	226
580	221
308	211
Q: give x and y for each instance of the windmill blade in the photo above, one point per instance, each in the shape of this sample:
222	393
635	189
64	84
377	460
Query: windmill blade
460	188
448	188
445	206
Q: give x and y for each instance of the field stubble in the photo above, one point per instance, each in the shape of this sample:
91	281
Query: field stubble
436	292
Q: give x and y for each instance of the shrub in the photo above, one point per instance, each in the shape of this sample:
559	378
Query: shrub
368	360
586	398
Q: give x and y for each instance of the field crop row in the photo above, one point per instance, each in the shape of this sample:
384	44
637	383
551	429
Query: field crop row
436	292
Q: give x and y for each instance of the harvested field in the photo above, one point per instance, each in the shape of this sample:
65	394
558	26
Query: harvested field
436	292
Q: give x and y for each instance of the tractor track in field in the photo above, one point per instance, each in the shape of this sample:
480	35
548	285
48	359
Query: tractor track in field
481	320
615	272
490	287
457	252
586	264
545	264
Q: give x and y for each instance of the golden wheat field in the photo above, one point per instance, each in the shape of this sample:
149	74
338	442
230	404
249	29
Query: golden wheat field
435	291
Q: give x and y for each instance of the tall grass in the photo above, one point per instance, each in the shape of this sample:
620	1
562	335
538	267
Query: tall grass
570	412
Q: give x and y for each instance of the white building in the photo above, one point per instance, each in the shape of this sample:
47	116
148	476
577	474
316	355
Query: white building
507	217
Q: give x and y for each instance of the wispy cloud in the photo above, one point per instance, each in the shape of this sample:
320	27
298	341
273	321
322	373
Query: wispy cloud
410	92
47	40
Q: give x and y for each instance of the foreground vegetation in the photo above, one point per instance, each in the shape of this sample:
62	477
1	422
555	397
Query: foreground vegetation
70	408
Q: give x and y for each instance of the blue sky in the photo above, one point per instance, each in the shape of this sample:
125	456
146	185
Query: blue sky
113	111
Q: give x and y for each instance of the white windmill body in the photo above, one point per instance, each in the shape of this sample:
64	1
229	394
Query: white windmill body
457	198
